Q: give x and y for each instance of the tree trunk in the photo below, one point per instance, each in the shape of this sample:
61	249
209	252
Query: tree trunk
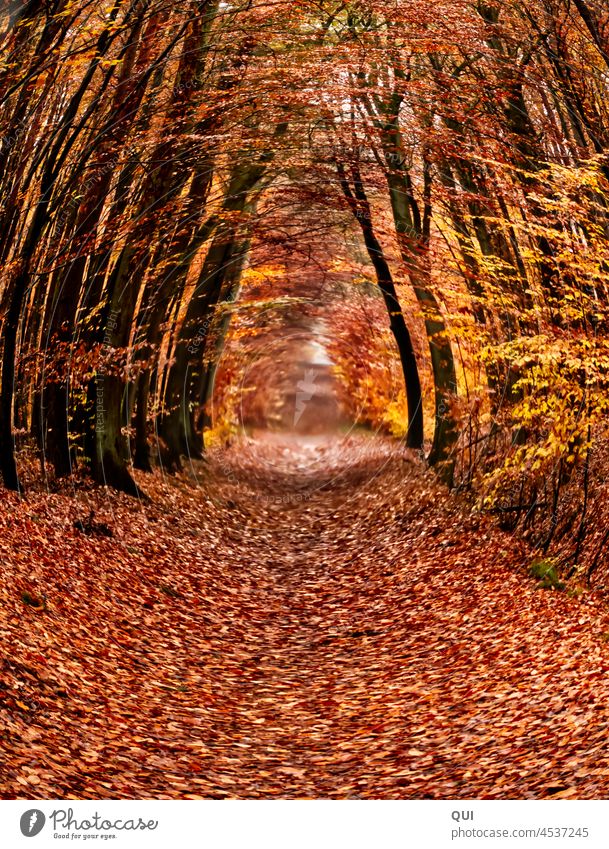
359	205
414	247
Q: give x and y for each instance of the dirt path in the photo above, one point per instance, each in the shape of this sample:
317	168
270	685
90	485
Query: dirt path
329	625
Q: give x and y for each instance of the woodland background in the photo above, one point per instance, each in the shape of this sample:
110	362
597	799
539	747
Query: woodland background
224	227
428	180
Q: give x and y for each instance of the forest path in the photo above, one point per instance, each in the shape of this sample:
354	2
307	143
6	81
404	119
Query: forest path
330	624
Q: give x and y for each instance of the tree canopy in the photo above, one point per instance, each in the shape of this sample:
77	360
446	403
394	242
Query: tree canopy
178	182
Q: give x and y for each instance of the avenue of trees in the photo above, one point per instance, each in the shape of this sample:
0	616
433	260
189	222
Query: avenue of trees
146	146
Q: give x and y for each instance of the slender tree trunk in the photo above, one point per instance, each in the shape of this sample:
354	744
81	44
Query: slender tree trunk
359	205
205	383
413	238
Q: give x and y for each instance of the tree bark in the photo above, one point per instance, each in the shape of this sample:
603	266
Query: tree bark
358	202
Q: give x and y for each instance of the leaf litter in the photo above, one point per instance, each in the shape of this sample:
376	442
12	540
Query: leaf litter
329	625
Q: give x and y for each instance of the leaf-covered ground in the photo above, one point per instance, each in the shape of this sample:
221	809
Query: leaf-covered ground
321	624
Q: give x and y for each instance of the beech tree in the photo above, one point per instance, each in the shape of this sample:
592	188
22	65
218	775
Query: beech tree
149	150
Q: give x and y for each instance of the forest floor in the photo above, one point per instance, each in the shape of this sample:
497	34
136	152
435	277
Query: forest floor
325	622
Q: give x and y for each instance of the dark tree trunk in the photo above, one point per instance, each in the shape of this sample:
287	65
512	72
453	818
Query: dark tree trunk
360	207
